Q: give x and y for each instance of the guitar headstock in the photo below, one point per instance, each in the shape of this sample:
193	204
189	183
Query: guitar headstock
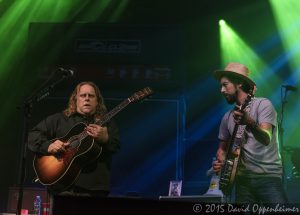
139	95
248	99
250	96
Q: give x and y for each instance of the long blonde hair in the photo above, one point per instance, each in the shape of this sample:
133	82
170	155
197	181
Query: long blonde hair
72	107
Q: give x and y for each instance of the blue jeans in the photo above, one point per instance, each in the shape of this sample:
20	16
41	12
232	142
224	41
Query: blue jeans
260	190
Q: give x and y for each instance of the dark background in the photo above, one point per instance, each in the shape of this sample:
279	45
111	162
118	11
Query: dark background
169	136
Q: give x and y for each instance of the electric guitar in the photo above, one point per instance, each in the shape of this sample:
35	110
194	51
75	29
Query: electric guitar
229	169
58	172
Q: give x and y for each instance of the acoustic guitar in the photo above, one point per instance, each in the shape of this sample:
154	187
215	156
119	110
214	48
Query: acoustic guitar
58	172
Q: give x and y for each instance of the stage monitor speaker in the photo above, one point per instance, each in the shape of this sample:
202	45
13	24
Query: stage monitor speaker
29	194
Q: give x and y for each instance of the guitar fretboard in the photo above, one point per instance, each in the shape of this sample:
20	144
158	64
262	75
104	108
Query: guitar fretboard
113	112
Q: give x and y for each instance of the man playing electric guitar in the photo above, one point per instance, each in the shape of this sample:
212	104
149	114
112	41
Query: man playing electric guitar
258	177
49	141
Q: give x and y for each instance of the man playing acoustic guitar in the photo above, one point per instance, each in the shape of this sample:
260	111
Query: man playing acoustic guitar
73	152
248	136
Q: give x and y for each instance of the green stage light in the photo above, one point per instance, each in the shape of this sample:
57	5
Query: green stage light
235	49
15	22
287	17
115	16
222	22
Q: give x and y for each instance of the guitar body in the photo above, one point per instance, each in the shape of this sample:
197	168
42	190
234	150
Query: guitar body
227	177
59	172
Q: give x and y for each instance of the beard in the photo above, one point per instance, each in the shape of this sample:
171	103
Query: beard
230	98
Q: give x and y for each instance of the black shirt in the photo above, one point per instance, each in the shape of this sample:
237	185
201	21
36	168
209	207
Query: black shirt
95	176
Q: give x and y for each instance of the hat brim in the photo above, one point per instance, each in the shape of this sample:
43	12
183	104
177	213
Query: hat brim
218	74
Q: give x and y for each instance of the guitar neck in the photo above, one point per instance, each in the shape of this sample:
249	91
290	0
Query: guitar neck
231	143
135	97
107	117
235	130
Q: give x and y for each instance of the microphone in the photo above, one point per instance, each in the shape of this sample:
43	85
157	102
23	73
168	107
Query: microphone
290	87
66	72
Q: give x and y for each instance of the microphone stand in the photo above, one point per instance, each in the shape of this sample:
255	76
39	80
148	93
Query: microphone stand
281	133
27	108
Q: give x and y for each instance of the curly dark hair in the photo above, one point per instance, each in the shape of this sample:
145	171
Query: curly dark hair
247	88
72	107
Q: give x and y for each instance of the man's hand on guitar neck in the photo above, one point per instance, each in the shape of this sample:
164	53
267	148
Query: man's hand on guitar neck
241	117
98	132
262	132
